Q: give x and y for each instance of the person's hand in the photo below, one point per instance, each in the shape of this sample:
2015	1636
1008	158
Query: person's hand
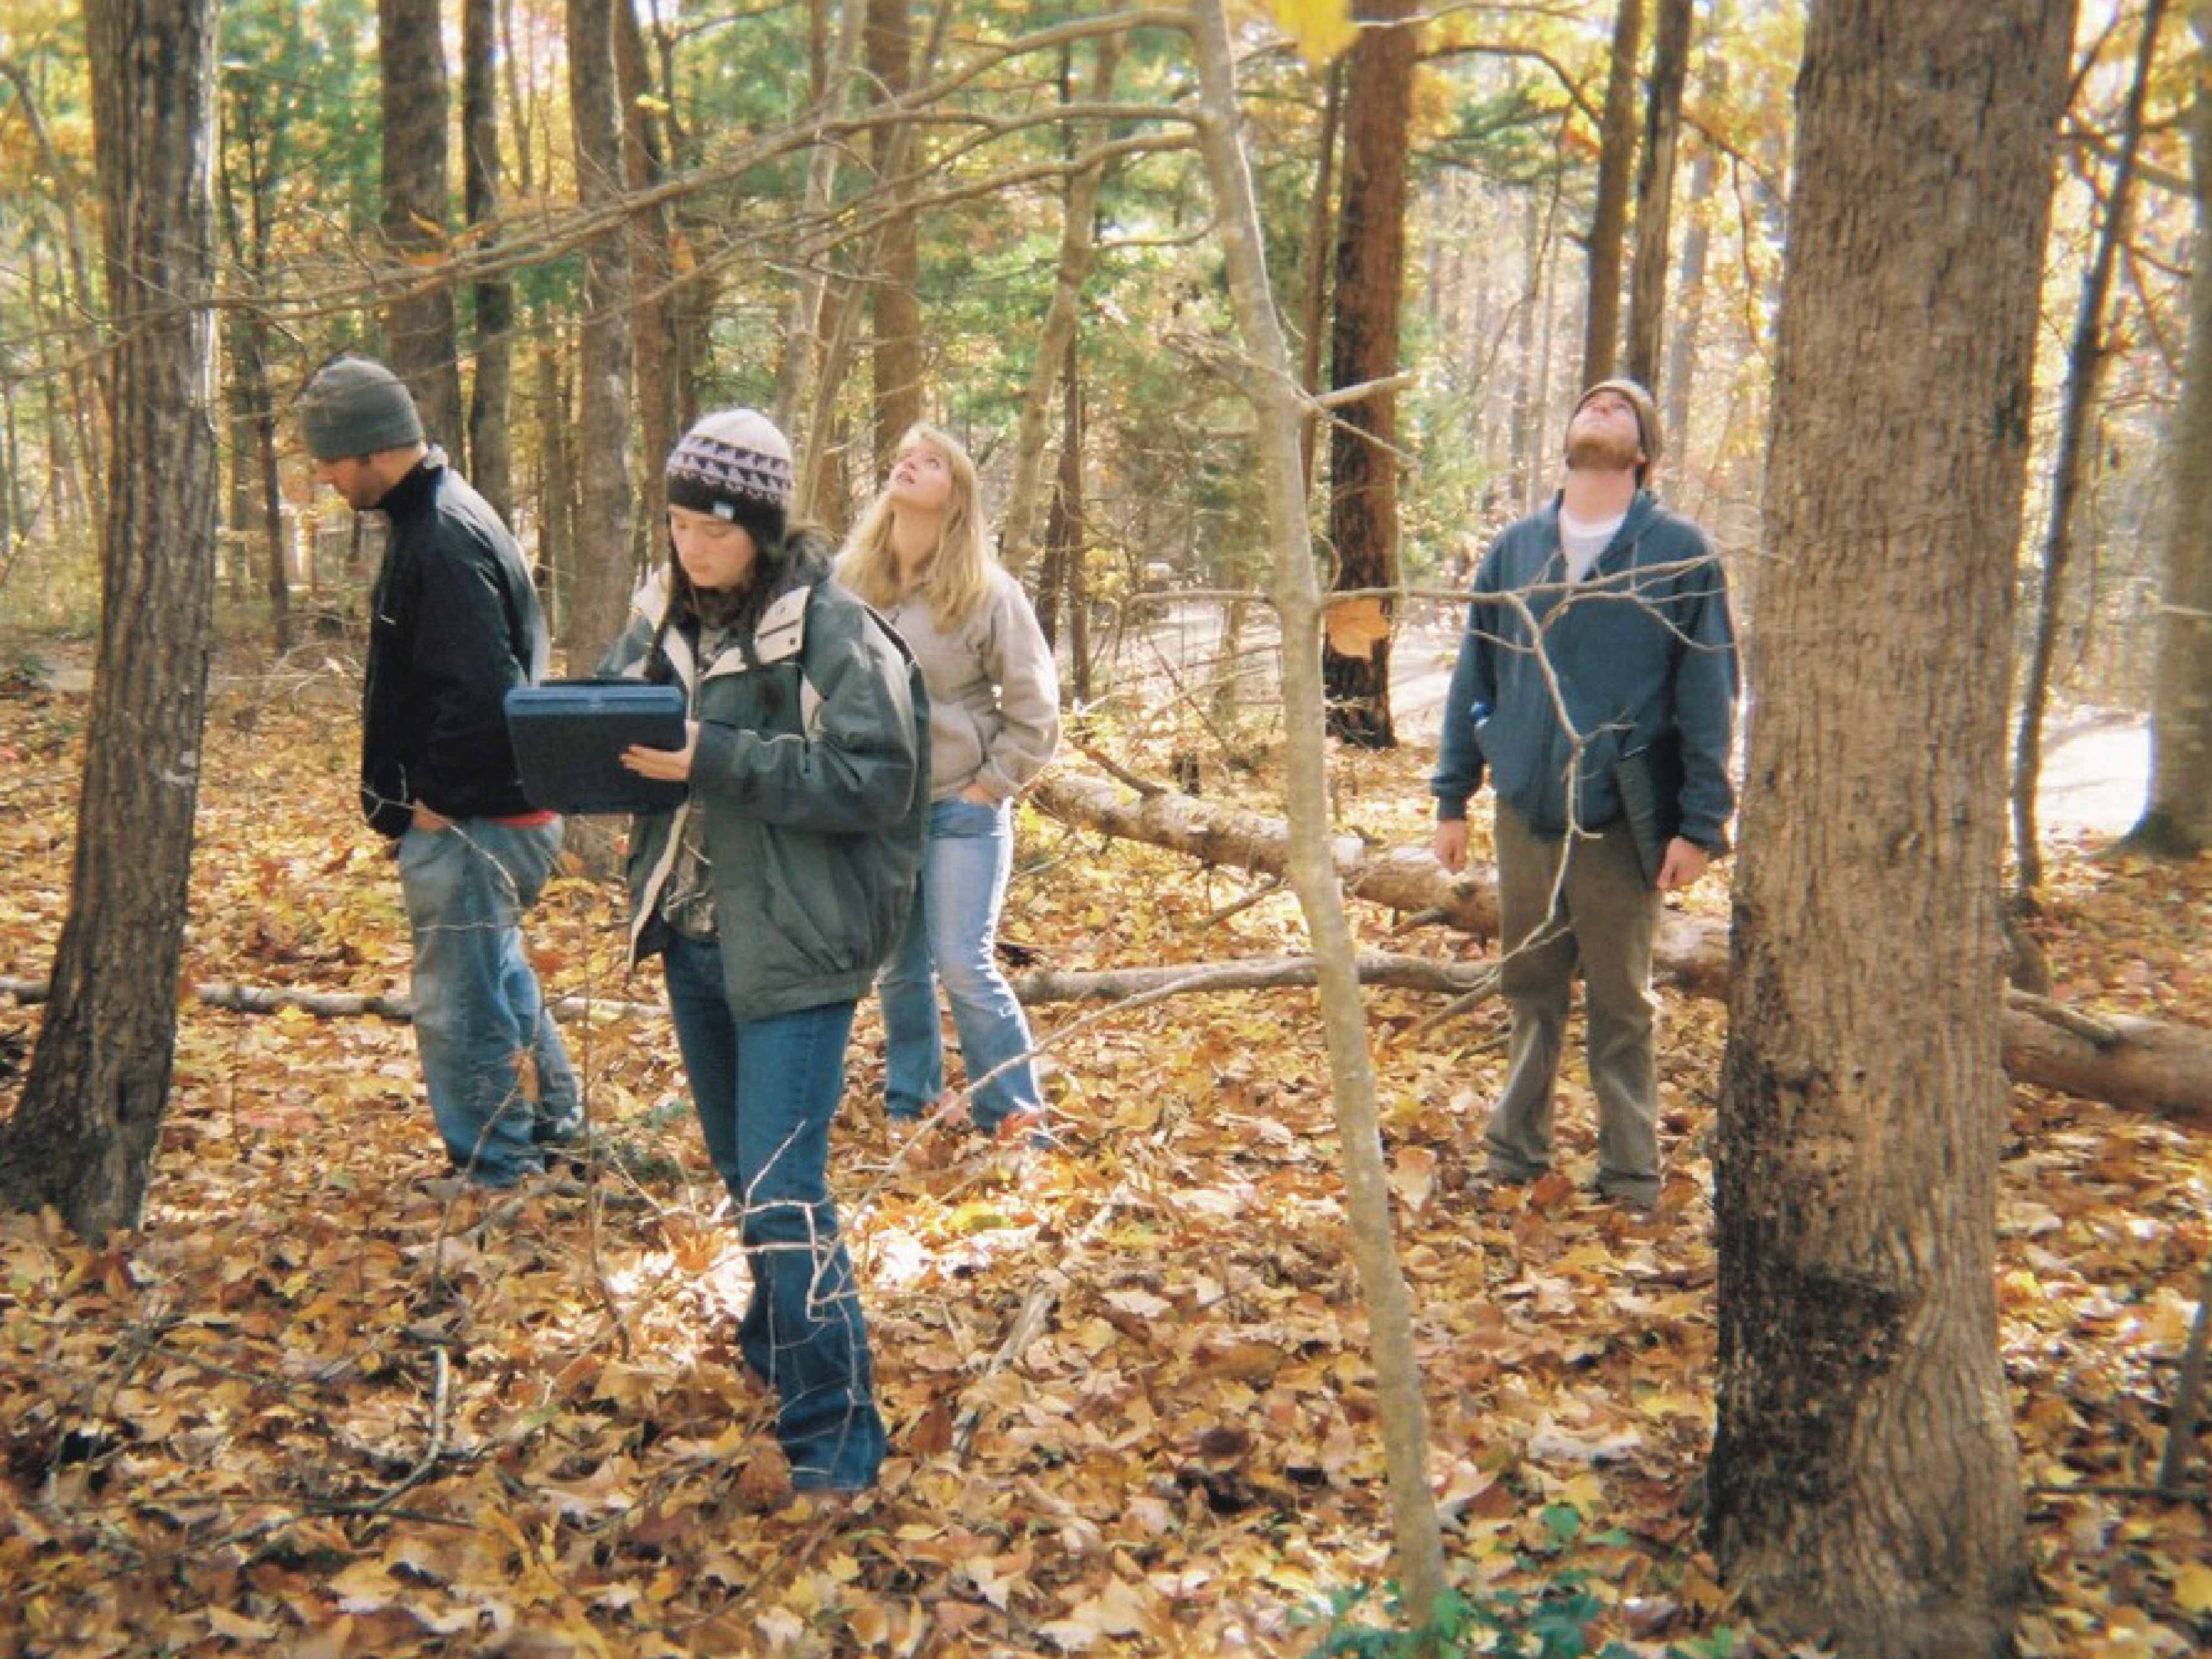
977	794
1452	844
1685	862
664	765
429	821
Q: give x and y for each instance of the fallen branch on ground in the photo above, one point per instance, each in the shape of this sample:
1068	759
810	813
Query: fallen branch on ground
2156	1065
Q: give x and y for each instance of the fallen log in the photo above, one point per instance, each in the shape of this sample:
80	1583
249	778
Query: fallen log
329	1005
2154	1065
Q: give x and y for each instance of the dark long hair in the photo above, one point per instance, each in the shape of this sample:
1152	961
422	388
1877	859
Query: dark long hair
781	551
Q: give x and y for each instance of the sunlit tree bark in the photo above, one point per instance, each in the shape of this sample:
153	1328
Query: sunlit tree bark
1864	1487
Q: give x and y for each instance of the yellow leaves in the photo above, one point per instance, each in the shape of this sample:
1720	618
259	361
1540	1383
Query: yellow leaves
1356	627
1118	1610
2192	1589
1322	28
1414	1175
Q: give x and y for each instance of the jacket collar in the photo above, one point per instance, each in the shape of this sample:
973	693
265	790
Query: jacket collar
413	492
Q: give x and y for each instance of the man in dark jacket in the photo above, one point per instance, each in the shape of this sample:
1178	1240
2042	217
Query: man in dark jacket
454	622
1597	686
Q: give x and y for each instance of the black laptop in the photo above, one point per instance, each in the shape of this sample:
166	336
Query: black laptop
568	736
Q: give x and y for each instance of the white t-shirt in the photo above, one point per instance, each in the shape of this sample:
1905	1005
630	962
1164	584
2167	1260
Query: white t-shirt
1582	541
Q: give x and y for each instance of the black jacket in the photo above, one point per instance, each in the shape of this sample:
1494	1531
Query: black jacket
453	622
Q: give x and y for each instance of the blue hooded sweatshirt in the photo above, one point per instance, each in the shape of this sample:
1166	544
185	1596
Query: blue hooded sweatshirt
1639	652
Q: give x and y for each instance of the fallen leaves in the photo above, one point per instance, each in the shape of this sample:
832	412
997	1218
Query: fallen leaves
202	1428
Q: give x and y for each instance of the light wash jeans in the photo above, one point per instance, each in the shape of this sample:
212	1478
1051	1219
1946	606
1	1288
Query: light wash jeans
950	936
766	1090
477	1009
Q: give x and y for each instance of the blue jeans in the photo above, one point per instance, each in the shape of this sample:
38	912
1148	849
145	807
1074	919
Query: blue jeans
950	936
477	1010
766	1090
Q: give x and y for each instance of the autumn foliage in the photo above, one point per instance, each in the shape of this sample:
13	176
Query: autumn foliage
310	1409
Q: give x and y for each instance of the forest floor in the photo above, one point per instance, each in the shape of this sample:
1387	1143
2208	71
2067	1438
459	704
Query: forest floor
308	1410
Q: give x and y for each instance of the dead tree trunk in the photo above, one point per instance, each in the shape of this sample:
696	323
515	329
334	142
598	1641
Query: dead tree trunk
2158	1066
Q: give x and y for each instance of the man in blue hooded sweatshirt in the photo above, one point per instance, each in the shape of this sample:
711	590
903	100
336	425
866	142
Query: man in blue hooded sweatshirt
1596	687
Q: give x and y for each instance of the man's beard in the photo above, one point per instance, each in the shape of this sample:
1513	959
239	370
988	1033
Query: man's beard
1599	451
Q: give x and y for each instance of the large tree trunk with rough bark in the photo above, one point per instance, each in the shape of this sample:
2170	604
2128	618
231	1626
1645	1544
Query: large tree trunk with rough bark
2177	820
1370	280
82	1136
1864	1487
603	567
1400	1405
421	346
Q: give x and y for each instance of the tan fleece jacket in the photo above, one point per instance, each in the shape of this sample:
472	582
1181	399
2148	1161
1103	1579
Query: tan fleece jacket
994	692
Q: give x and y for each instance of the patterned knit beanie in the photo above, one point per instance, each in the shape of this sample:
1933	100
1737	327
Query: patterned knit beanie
735	465
1647	418
357	406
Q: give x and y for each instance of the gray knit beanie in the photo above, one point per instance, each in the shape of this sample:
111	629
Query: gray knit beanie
732	464
357	406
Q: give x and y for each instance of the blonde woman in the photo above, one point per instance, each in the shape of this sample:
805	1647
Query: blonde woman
917	555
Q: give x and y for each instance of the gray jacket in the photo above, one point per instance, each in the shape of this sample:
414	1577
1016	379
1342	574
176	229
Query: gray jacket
812	763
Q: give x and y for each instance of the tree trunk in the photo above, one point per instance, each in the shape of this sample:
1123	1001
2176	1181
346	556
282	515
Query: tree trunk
1682	343
1540	468
1609	214
1655	193
805	339
1402	1412
1078	214
1864	1487
1076	542
83	1134
1321	222
423	349
653	275
603	568
255	461
491	451
557	495
2177	820
896	304
77	299
1364	346
2085	377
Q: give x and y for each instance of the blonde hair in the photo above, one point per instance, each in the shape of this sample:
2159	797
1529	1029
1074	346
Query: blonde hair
957	574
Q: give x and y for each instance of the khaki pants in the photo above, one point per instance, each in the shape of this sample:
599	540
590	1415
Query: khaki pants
1602	916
